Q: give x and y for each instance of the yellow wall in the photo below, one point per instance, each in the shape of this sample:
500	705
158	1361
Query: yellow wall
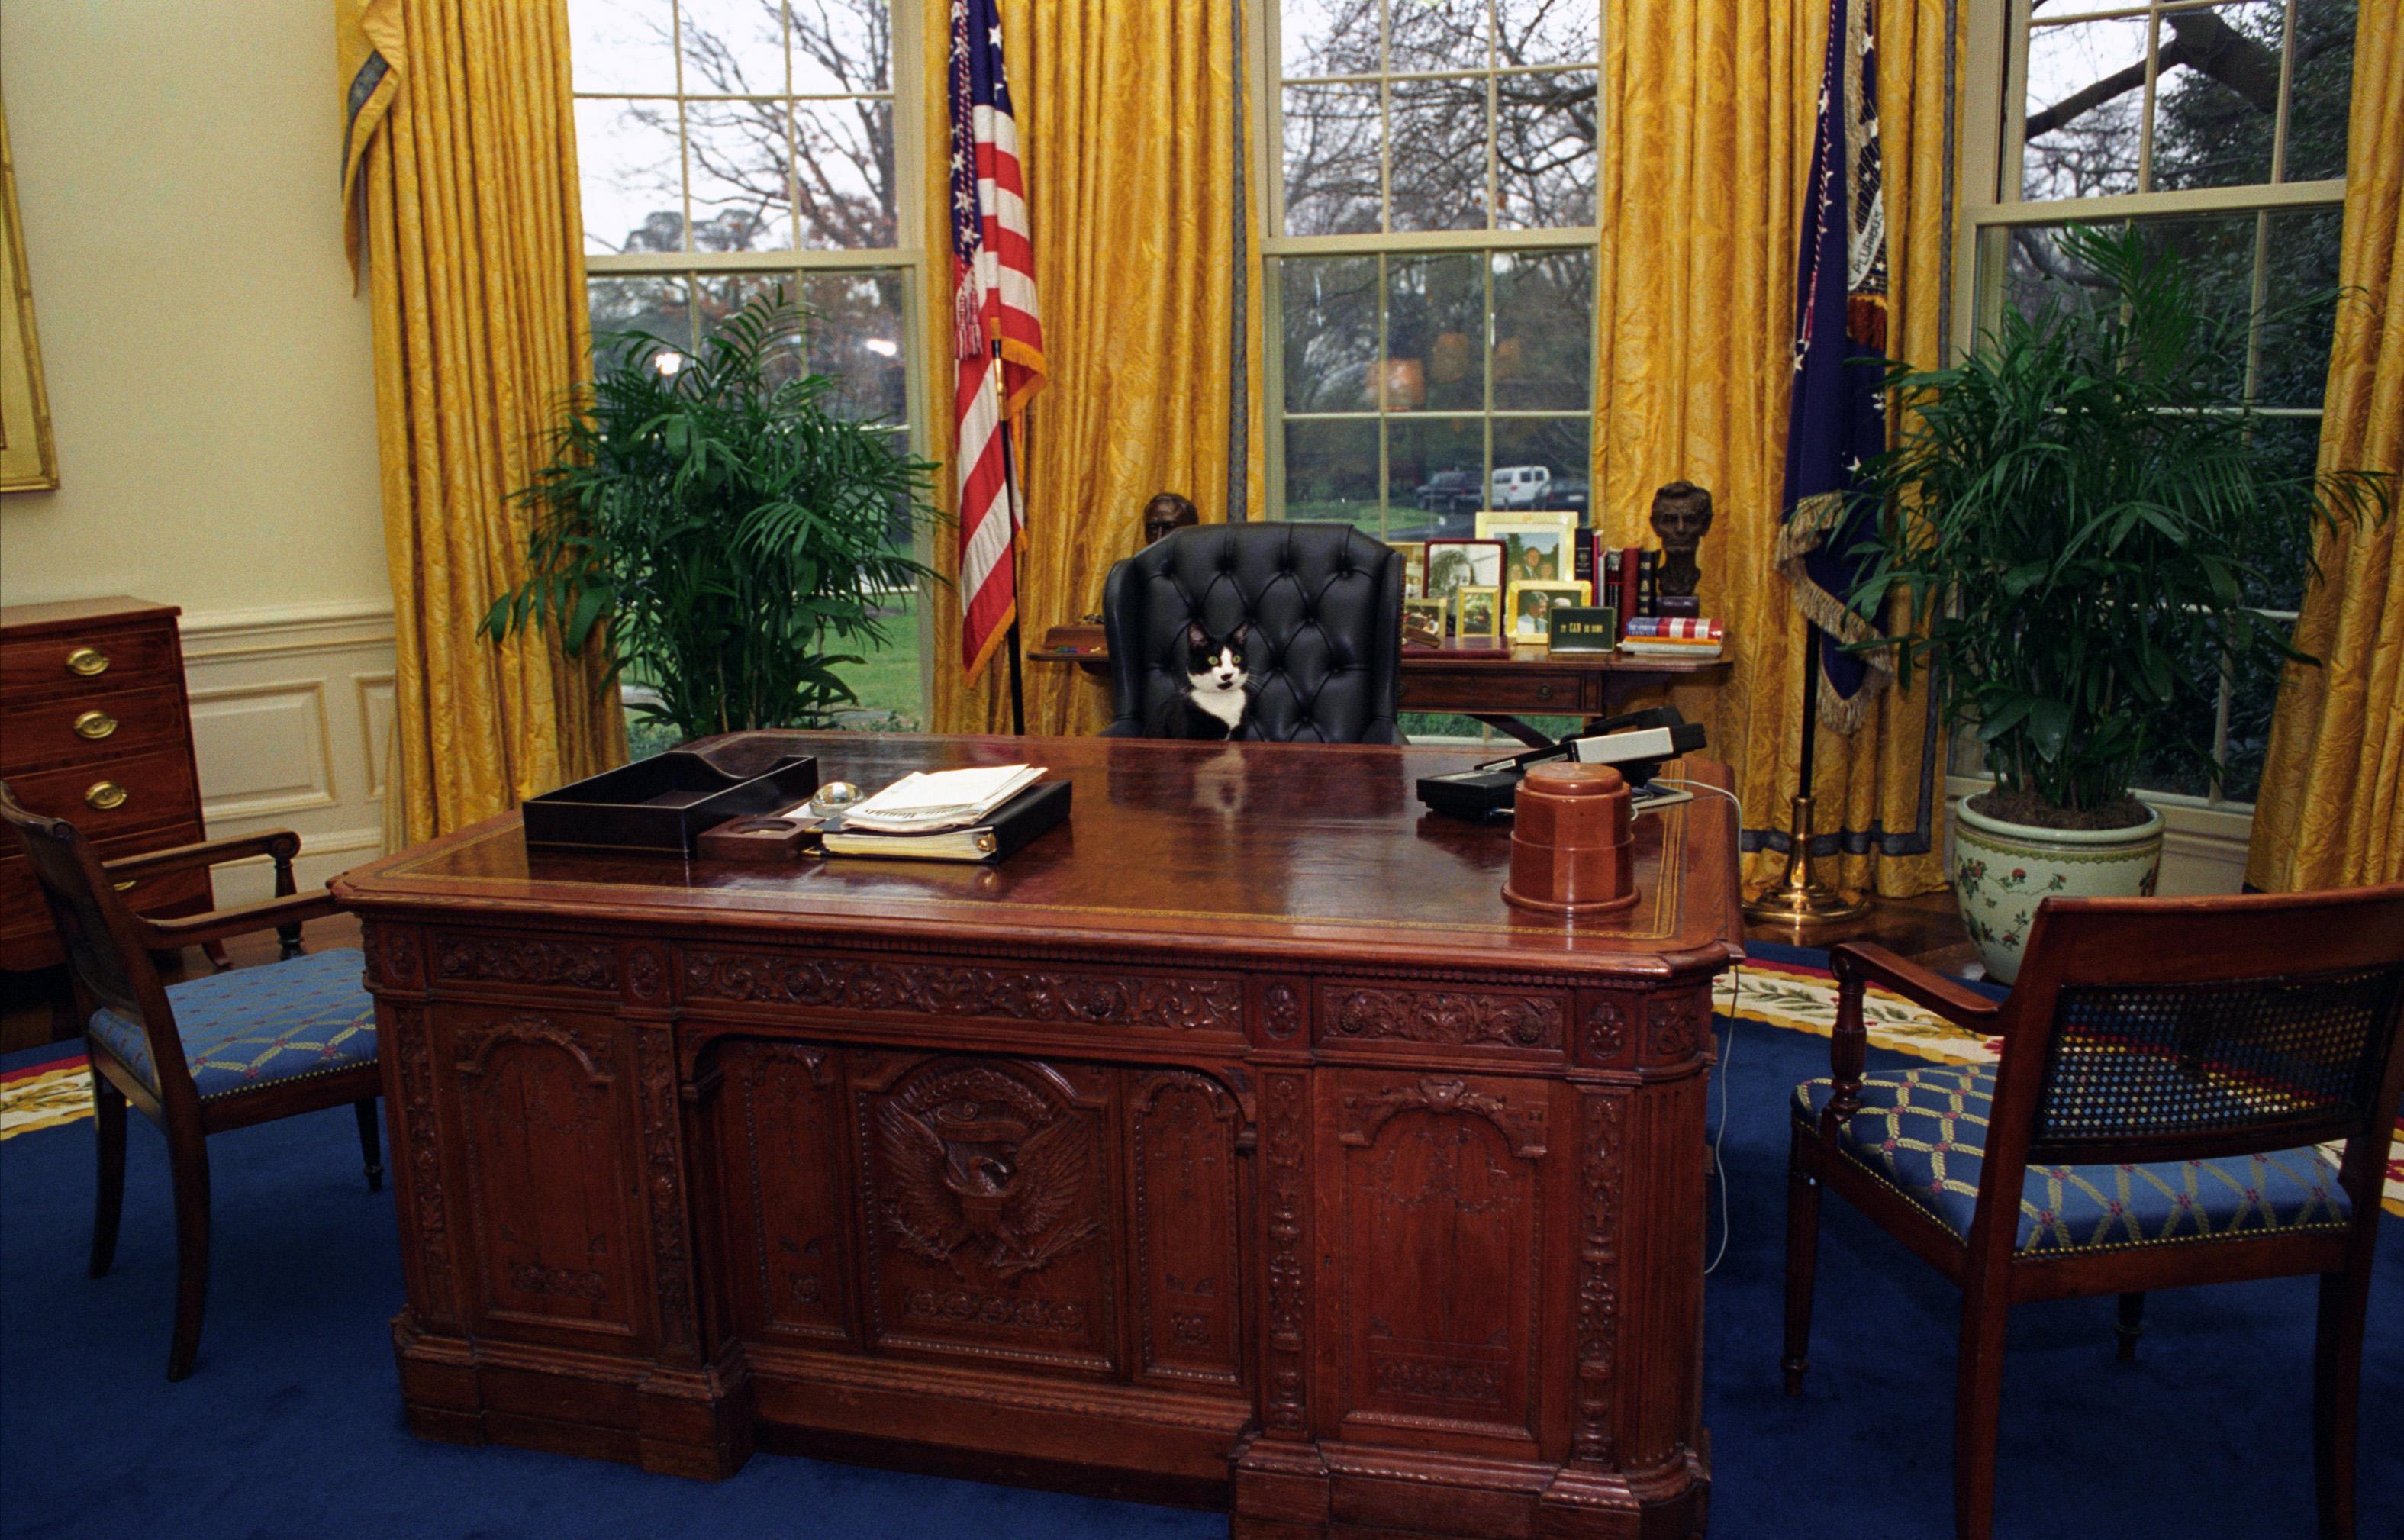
210	371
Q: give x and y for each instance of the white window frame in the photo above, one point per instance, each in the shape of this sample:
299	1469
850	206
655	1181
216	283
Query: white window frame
1267	93
1992	118
909	255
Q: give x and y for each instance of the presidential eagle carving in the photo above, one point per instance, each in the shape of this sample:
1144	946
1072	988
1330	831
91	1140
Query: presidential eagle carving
966	1170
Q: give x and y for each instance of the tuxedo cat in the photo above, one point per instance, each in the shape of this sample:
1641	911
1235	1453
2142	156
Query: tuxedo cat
1214	702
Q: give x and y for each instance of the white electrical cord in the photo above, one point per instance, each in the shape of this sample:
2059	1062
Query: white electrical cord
1736	975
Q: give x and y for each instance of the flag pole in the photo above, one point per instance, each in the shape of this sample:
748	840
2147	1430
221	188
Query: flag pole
1799	898
1010	640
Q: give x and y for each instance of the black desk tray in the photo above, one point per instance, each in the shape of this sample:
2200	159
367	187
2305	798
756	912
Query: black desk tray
664	803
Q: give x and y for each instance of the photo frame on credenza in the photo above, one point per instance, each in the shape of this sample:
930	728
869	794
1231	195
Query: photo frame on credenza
1528	614
1414	554
1477	612
1537	547
29	460
1424	623
1455	565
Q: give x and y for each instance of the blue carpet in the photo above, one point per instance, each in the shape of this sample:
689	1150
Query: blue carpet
291	1424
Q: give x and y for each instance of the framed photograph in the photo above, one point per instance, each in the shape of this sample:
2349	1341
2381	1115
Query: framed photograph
1455	565
1414	554
1536	547
29	460
1477	611
1531	610
1424	623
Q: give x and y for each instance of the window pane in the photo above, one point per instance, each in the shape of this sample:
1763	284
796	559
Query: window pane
2321	89
2217	251
856	336
2285	447
1543	146
622	45
2168	765
889	681
1435	312
2086	93
732	48
1330	159
845	161
1559	445
718	295
1331	332
2254	693
1331	472
2217	101
736	160
1427	34
1328	37
654	305
1543	329
633	187
1438	160
840	44
1434	468
2300	300
1545	31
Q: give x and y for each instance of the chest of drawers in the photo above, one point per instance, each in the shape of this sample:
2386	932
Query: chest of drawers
95	729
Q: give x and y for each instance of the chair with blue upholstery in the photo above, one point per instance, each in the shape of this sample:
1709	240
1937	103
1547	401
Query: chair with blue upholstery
221	1050
2170	1072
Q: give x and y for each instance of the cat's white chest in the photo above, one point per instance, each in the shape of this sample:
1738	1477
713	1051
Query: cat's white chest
1225	705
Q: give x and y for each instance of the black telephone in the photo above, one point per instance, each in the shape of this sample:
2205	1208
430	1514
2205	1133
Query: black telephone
1635	744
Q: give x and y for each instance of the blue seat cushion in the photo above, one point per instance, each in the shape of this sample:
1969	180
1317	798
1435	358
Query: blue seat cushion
1924	1130
261	1026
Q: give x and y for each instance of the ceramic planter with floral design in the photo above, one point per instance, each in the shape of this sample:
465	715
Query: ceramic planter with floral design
2002	871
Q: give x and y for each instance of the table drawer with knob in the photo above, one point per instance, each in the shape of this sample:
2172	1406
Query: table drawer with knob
99	658
126	792
89	727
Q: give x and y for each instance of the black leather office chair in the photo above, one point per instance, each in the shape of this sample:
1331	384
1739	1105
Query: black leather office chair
1325	603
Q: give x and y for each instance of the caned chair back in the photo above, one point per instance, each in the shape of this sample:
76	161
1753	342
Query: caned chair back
2150	1030
106	962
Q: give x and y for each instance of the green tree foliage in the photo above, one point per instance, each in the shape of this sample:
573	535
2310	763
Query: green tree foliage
723	531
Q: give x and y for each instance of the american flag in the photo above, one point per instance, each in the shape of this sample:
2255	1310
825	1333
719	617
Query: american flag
997	332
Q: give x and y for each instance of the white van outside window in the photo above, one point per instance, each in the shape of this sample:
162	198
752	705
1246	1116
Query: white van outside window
1519	485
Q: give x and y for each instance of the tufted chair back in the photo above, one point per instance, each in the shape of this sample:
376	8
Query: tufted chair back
1325	603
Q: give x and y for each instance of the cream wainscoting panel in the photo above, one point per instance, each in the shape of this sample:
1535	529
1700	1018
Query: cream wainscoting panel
291	717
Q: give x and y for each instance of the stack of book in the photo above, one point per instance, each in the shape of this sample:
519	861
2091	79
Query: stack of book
951	815
1661	637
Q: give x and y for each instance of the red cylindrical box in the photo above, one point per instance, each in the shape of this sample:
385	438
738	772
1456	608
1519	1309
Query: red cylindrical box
1572	850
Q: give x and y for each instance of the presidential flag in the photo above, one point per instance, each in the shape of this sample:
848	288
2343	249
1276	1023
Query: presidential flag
1836	420
998	333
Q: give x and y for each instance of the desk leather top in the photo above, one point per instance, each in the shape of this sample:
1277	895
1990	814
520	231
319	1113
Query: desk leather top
1258	850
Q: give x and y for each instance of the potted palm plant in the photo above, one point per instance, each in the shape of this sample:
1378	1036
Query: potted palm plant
726	532
2079	525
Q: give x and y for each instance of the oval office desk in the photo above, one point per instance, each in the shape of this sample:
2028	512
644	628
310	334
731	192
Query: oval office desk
1495	683
1232	1144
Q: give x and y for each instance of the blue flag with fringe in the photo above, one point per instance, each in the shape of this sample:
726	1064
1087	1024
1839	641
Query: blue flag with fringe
1837	419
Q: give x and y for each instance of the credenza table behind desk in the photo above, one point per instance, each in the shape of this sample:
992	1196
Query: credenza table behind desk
1233	1143
1496	682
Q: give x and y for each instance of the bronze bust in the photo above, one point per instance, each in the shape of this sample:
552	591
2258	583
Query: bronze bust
1682	516
1166	512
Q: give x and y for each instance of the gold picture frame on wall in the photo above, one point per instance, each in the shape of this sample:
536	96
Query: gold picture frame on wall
29	460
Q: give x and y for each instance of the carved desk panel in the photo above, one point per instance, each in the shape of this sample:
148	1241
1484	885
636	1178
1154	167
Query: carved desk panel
1233	1143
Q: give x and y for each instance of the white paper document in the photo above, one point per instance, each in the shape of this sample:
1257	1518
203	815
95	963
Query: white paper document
921	803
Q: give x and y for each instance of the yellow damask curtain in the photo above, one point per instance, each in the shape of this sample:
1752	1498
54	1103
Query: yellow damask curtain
2331	809
1128	122
1708	113
461	162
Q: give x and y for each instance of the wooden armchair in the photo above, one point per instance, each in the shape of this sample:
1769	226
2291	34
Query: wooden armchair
222	1051
2168	1067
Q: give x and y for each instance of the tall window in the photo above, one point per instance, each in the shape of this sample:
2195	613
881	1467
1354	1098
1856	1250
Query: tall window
1431	250
728	148
2218	128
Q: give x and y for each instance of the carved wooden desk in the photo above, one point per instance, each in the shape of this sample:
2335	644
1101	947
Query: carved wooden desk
1233	1143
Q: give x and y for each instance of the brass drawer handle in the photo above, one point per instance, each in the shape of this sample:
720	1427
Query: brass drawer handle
122	886
94	725
86	662
1544	692
102	795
